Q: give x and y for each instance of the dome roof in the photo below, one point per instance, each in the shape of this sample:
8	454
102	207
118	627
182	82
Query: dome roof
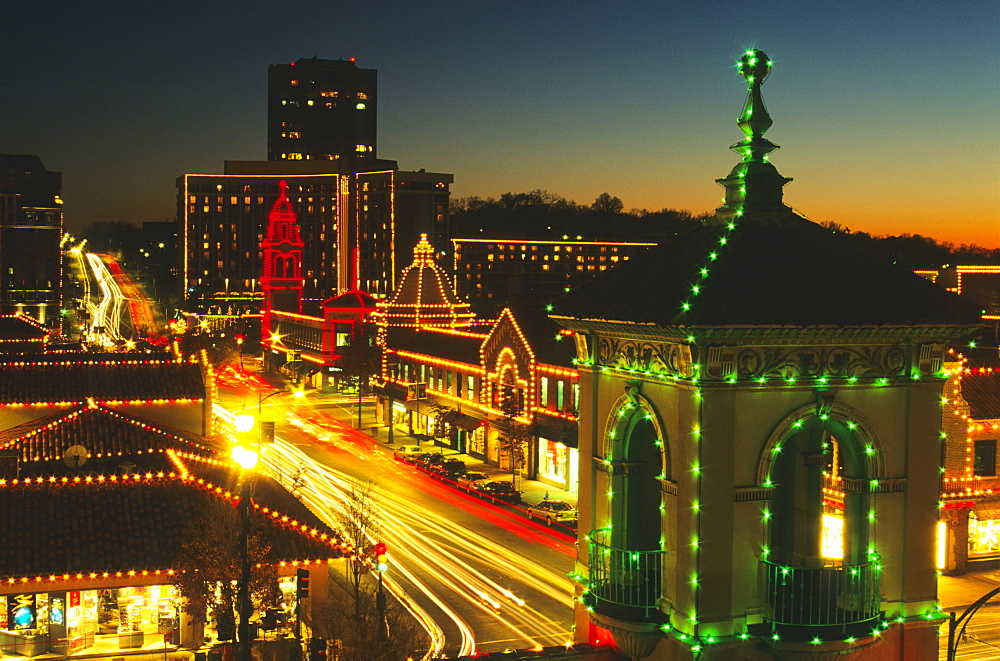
354	299
424	296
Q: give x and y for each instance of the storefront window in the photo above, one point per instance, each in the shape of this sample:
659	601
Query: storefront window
91	621
984	535
557	463
477	441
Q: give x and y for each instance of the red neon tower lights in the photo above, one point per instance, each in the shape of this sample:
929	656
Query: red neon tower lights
282	281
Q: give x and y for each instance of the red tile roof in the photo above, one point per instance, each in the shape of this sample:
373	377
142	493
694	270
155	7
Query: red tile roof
102	431
19	327
127	524
73	377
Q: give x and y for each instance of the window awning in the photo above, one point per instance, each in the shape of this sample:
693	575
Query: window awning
466	422
987	510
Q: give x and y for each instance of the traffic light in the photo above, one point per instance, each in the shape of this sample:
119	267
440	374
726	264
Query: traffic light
301	583
381	561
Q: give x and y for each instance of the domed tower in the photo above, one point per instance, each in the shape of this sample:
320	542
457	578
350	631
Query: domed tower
424	296
761	447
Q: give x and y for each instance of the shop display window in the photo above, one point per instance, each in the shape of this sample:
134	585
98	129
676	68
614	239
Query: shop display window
984	536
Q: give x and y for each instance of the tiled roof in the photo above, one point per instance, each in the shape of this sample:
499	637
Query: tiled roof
21	327
543	335
982	392
792	272
73	377
353	299
125	525
103	432
449	346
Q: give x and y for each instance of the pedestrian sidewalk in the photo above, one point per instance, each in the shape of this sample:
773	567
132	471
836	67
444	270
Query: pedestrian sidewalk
956	593
344	409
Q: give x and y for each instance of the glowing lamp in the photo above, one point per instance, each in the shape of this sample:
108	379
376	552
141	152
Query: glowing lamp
244	422
246	458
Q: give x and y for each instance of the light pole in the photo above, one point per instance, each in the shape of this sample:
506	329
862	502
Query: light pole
246	459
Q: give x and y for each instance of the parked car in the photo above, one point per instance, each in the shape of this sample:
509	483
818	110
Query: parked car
470	479
406	452
427	459
495	491
554	510
447	468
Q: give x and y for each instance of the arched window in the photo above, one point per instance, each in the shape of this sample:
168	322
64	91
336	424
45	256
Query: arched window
819	553
626	551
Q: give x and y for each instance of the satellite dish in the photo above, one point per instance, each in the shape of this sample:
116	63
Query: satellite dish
75	456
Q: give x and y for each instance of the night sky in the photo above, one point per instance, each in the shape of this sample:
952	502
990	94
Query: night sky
887	113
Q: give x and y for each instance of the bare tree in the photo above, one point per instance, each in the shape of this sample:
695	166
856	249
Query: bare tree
208	564
359	525
359	638
514	435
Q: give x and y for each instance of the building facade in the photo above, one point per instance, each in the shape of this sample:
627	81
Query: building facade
31	232
350	225
503	390
488	271
322	110
760	438
969	527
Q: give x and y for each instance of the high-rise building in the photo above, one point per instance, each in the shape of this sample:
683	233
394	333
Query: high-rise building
31	227
352	226
323	110
357	212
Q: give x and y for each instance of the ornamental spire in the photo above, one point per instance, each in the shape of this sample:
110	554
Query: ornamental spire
754	184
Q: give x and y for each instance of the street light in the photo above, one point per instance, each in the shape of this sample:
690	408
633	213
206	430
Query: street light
246	459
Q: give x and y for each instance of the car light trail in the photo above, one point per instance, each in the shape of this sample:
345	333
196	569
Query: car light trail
450	559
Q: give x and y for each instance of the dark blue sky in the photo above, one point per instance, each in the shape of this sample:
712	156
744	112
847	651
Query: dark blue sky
886	112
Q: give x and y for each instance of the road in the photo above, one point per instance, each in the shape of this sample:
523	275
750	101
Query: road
486	577
122	310
982	636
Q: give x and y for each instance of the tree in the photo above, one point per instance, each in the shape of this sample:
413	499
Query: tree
360	359
358	638
607	204
208	564
359	525
514	435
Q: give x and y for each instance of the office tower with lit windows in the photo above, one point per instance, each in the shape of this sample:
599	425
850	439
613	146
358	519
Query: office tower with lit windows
394	208
31	228
351	224
223	218
322	110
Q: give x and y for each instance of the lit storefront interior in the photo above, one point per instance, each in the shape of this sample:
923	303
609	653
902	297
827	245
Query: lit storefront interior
98	577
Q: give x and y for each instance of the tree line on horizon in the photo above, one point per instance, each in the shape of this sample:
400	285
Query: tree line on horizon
542	215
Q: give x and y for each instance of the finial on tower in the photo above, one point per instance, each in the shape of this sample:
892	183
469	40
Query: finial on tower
754	184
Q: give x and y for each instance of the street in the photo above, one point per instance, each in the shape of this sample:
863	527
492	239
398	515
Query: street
479	576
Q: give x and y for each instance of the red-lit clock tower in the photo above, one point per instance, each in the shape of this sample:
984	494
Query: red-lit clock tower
282	279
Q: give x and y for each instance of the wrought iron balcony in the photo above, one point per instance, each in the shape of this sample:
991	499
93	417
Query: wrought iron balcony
623	583
823	596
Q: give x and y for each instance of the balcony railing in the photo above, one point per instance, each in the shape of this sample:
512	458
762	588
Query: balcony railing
622	583
823	596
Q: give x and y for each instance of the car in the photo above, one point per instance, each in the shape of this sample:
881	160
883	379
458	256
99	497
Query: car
470	479
406	452
495	491
427	459
448	468
553	511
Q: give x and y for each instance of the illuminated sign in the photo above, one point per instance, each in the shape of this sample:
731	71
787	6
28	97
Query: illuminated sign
21	610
